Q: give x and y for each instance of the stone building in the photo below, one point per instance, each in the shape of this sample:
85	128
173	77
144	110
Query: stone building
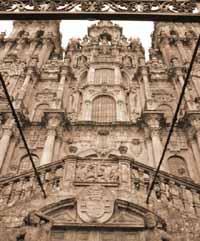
96	117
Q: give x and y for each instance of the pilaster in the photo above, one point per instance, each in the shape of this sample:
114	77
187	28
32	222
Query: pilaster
144	74
30	71
194	167
64	70
46	50
53	121
165	47
179	72
153	121
7	132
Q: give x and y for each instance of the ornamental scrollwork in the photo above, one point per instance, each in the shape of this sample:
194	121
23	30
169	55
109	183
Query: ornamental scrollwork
129	6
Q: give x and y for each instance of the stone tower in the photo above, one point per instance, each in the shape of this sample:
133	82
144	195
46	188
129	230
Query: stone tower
96	116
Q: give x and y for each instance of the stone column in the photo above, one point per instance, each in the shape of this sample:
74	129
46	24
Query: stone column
195	121
48	150
194	170
178	69
33	46
117	76
46	50
144	73
125	176
181	50
4	142
157	145
196	75
151	161
91	75
154	125
7	47
196	84
61	86
29	72
165	47
21	44
87	111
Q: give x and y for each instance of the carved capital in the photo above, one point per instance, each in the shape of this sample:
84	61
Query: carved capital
47	41
177	68
153	120
64	70
53	119
195	121
32	66
147	133
191	133
155	131
51	131
7	131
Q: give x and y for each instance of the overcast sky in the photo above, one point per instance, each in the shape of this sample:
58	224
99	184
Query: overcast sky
77	28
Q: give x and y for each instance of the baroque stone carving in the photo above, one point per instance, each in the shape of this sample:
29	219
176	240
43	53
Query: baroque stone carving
36	228
153	233
95	204
97	172
93	6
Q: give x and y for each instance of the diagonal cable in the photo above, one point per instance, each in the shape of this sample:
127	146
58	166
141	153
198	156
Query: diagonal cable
22	135
174	118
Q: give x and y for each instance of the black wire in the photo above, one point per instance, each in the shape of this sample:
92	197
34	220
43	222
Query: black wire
22	135
174	118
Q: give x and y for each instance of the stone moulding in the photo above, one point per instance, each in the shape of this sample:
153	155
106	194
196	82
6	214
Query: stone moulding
23	187
161	10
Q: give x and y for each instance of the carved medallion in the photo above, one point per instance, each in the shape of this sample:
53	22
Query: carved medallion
95	204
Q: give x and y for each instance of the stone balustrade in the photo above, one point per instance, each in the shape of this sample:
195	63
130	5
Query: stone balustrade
169	189
179	192
25	186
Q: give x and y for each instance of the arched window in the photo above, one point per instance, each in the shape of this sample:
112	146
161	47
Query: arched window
177	166
104	109
39	112
25	163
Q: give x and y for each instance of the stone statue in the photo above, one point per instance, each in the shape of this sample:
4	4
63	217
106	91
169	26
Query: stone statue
154	233
36	228
81	61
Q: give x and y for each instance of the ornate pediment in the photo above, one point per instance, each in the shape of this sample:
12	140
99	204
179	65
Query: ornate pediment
125	215
126	219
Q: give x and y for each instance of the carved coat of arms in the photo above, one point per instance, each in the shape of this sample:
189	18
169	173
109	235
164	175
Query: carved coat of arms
95	204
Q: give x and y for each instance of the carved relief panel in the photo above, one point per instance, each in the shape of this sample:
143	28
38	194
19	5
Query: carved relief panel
91	172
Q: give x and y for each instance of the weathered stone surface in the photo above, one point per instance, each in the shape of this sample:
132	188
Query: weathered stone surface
96	122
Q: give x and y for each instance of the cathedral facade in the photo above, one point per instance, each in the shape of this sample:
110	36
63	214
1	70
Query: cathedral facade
96	116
